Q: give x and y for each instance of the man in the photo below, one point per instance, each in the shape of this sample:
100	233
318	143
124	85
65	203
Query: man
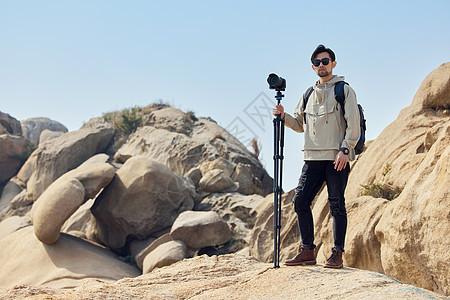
330	137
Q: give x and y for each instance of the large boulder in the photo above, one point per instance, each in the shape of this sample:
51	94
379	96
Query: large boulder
13	151
9	125
200	229
407	237
61	155
140	256
164	255
65	264
166	137
144	198
65	196
32	128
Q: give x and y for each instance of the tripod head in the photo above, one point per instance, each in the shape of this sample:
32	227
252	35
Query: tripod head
278	84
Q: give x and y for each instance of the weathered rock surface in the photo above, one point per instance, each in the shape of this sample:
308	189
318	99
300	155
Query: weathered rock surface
12	149
48	135
406	238
80	219
19	206
236	277
65	196
12	224
34	127
11	190
164	255
200	229
65	264
234	208
167	138
261	238
61	155
144	198
9	125
140	256
216	181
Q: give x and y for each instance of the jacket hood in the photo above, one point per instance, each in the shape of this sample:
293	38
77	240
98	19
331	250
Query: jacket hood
335	79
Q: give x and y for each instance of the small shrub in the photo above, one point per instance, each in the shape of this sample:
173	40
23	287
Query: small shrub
256	148
382	190
129	122
191	116
379	190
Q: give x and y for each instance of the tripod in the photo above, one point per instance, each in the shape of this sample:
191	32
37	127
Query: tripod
278	126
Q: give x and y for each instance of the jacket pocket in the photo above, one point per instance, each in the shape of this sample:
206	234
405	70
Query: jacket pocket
323	129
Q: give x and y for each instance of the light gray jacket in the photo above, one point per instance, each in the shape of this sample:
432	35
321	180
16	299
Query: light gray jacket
326	129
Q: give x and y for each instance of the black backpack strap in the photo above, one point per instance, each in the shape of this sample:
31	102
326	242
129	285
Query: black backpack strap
305	100
339	92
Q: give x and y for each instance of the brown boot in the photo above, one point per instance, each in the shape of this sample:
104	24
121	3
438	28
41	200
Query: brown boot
303	258
335	260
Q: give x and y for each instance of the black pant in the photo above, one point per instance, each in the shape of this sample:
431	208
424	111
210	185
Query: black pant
314	174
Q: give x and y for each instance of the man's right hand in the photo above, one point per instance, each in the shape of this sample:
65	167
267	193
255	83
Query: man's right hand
279	109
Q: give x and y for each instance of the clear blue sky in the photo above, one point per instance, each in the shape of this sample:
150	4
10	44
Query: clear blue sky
74	60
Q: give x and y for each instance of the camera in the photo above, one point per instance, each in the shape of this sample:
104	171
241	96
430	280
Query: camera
276	83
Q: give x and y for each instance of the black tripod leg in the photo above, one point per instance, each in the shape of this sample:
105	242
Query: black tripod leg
280	190
275	192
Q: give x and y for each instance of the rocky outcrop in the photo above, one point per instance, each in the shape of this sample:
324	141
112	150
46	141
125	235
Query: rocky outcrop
172	138
236	277
9	125
65	264
144	198
34	127
236	209
13	151
407	237
65	196
61	155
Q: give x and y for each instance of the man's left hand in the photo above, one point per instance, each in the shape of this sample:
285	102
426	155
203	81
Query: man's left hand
340	161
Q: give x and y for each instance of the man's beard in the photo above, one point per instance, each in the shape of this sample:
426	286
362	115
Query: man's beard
324	73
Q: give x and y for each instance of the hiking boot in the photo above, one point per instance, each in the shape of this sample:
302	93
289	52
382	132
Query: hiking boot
303	258
335	261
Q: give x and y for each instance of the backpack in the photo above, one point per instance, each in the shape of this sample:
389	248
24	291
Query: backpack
340	98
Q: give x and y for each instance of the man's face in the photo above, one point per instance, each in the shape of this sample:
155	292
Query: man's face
324	70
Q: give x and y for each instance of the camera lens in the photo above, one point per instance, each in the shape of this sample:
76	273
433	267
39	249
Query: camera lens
276	83
273	79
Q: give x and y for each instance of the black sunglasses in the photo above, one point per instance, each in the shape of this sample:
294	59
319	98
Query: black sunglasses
325	61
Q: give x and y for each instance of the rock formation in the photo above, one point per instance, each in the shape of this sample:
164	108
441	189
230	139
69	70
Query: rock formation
406	238
67	263
161	187
34	127
145	197
235	277
64	196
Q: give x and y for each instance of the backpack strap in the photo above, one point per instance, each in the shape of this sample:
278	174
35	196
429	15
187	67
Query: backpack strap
305	100
339	94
